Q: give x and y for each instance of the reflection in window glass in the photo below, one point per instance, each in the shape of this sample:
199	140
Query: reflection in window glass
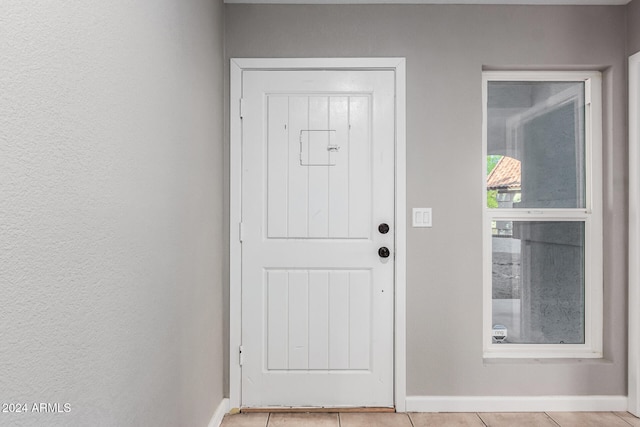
536	144
538	282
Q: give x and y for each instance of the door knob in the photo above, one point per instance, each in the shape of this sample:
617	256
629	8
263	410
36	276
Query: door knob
384	252
383	228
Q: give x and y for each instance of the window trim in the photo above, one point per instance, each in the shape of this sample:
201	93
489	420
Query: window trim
634	236
591	215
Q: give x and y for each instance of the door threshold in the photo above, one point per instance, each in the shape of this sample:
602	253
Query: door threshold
281	410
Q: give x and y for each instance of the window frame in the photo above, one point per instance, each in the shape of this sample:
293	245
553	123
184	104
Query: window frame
591	215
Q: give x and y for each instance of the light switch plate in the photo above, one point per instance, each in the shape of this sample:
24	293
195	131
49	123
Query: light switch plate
422	217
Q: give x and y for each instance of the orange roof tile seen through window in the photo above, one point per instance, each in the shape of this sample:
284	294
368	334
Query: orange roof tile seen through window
505	175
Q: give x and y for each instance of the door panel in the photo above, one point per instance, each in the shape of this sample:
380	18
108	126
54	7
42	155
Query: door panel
319	182
306	314
318	177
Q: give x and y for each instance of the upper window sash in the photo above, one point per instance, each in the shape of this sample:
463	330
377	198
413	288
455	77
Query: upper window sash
590	98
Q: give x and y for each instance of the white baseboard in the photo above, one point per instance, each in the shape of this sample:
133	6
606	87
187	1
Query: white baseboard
221	411
515	403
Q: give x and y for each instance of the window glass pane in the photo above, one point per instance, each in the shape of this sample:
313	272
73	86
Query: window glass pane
538	282
536	145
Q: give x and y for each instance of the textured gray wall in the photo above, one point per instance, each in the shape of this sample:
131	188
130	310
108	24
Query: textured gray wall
633	27
110	211
446	48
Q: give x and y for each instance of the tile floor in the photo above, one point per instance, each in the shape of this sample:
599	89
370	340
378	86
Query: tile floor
531	419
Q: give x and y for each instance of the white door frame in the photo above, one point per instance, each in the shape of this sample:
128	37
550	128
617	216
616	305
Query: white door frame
238	65
634	236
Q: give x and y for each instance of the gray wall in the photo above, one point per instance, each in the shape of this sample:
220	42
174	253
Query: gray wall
110	211
446	49
633	27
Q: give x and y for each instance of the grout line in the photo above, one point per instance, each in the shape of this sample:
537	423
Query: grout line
410	419
481	420
339	419
616	414
552	419
268	419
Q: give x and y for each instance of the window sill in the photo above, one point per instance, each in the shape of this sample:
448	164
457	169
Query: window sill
540	351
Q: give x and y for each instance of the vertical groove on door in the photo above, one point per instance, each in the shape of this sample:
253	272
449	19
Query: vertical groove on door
318	152
287	331
339	174
359	168
277	168
277	321
328	321
307	160
348	163
348	326
339	318
288	163
329	169
360	288
298	319
318	319
308	318
298	176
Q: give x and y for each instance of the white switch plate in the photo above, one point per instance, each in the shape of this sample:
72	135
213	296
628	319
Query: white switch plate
422	217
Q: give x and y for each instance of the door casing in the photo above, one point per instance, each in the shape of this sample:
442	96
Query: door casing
634	236
237	66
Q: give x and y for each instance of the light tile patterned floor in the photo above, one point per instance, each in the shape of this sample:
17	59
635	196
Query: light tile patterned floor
529	419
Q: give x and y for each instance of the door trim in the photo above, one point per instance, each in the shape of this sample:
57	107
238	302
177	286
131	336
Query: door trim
237	66
634	236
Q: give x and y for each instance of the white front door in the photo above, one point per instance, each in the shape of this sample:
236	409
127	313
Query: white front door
317	286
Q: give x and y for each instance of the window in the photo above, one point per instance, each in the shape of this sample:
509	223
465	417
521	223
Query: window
542	214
